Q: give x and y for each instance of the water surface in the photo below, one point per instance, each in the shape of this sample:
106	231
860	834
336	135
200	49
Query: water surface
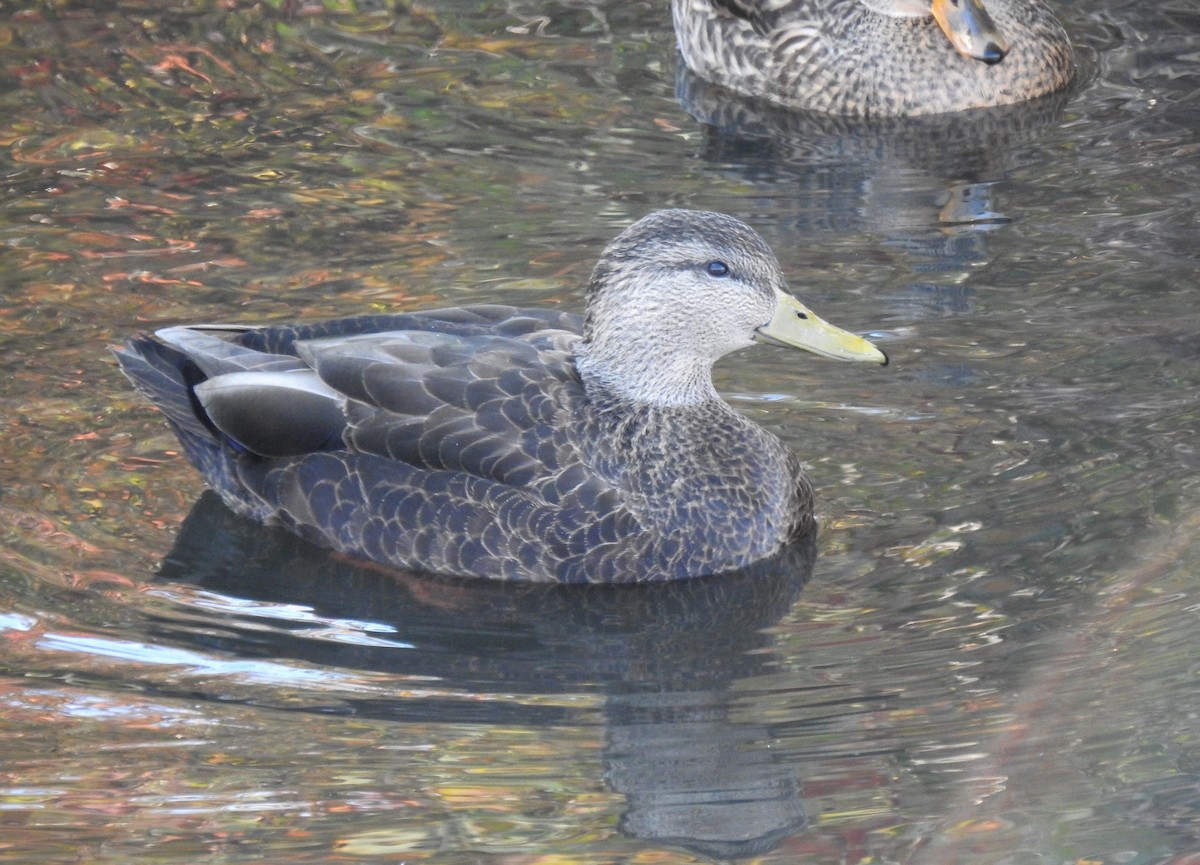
989	656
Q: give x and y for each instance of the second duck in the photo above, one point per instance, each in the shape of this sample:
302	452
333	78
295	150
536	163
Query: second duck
877	58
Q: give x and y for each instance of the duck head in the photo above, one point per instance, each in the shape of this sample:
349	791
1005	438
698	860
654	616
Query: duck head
680	289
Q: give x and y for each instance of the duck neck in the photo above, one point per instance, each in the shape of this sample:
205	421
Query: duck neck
646	377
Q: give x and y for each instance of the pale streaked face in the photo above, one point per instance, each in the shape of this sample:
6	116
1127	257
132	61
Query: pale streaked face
678	290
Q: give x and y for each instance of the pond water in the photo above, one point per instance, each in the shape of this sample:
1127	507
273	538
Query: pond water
989	657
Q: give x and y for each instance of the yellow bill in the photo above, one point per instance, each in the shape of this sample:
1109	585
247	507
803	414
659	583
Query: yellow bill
796	326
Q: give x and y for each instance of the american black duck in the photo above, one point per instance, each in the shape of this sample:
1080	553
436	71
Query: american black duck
519	444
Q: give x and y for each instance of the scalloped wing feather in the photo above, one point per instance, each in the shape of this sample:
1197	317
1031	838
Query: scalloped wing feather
494	407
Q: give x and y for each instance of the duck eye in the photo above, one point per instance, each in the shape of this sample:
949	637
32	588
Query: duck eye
717	268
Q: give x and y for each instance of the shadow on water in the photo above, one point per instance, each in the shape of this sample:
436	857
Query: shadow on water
662	658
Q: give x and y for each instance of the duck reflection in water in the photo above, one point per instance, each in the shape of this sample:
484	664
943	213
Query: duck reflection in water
927	187
664	657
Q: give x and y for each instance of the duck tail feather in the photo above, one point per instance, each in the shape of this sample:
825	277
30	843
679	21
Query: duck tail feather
167	378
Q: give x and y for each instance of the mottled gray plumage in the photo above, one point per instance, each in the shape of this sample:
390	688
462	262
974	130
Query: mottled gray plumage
871	58
515	444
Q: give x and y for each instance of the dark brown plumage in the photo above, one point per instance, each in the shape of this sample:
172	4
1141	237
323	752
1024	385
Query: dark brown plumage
498	442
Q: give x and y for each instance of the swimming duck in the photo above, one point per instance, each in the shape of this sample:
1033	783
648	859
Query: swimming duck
521	444
876	58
